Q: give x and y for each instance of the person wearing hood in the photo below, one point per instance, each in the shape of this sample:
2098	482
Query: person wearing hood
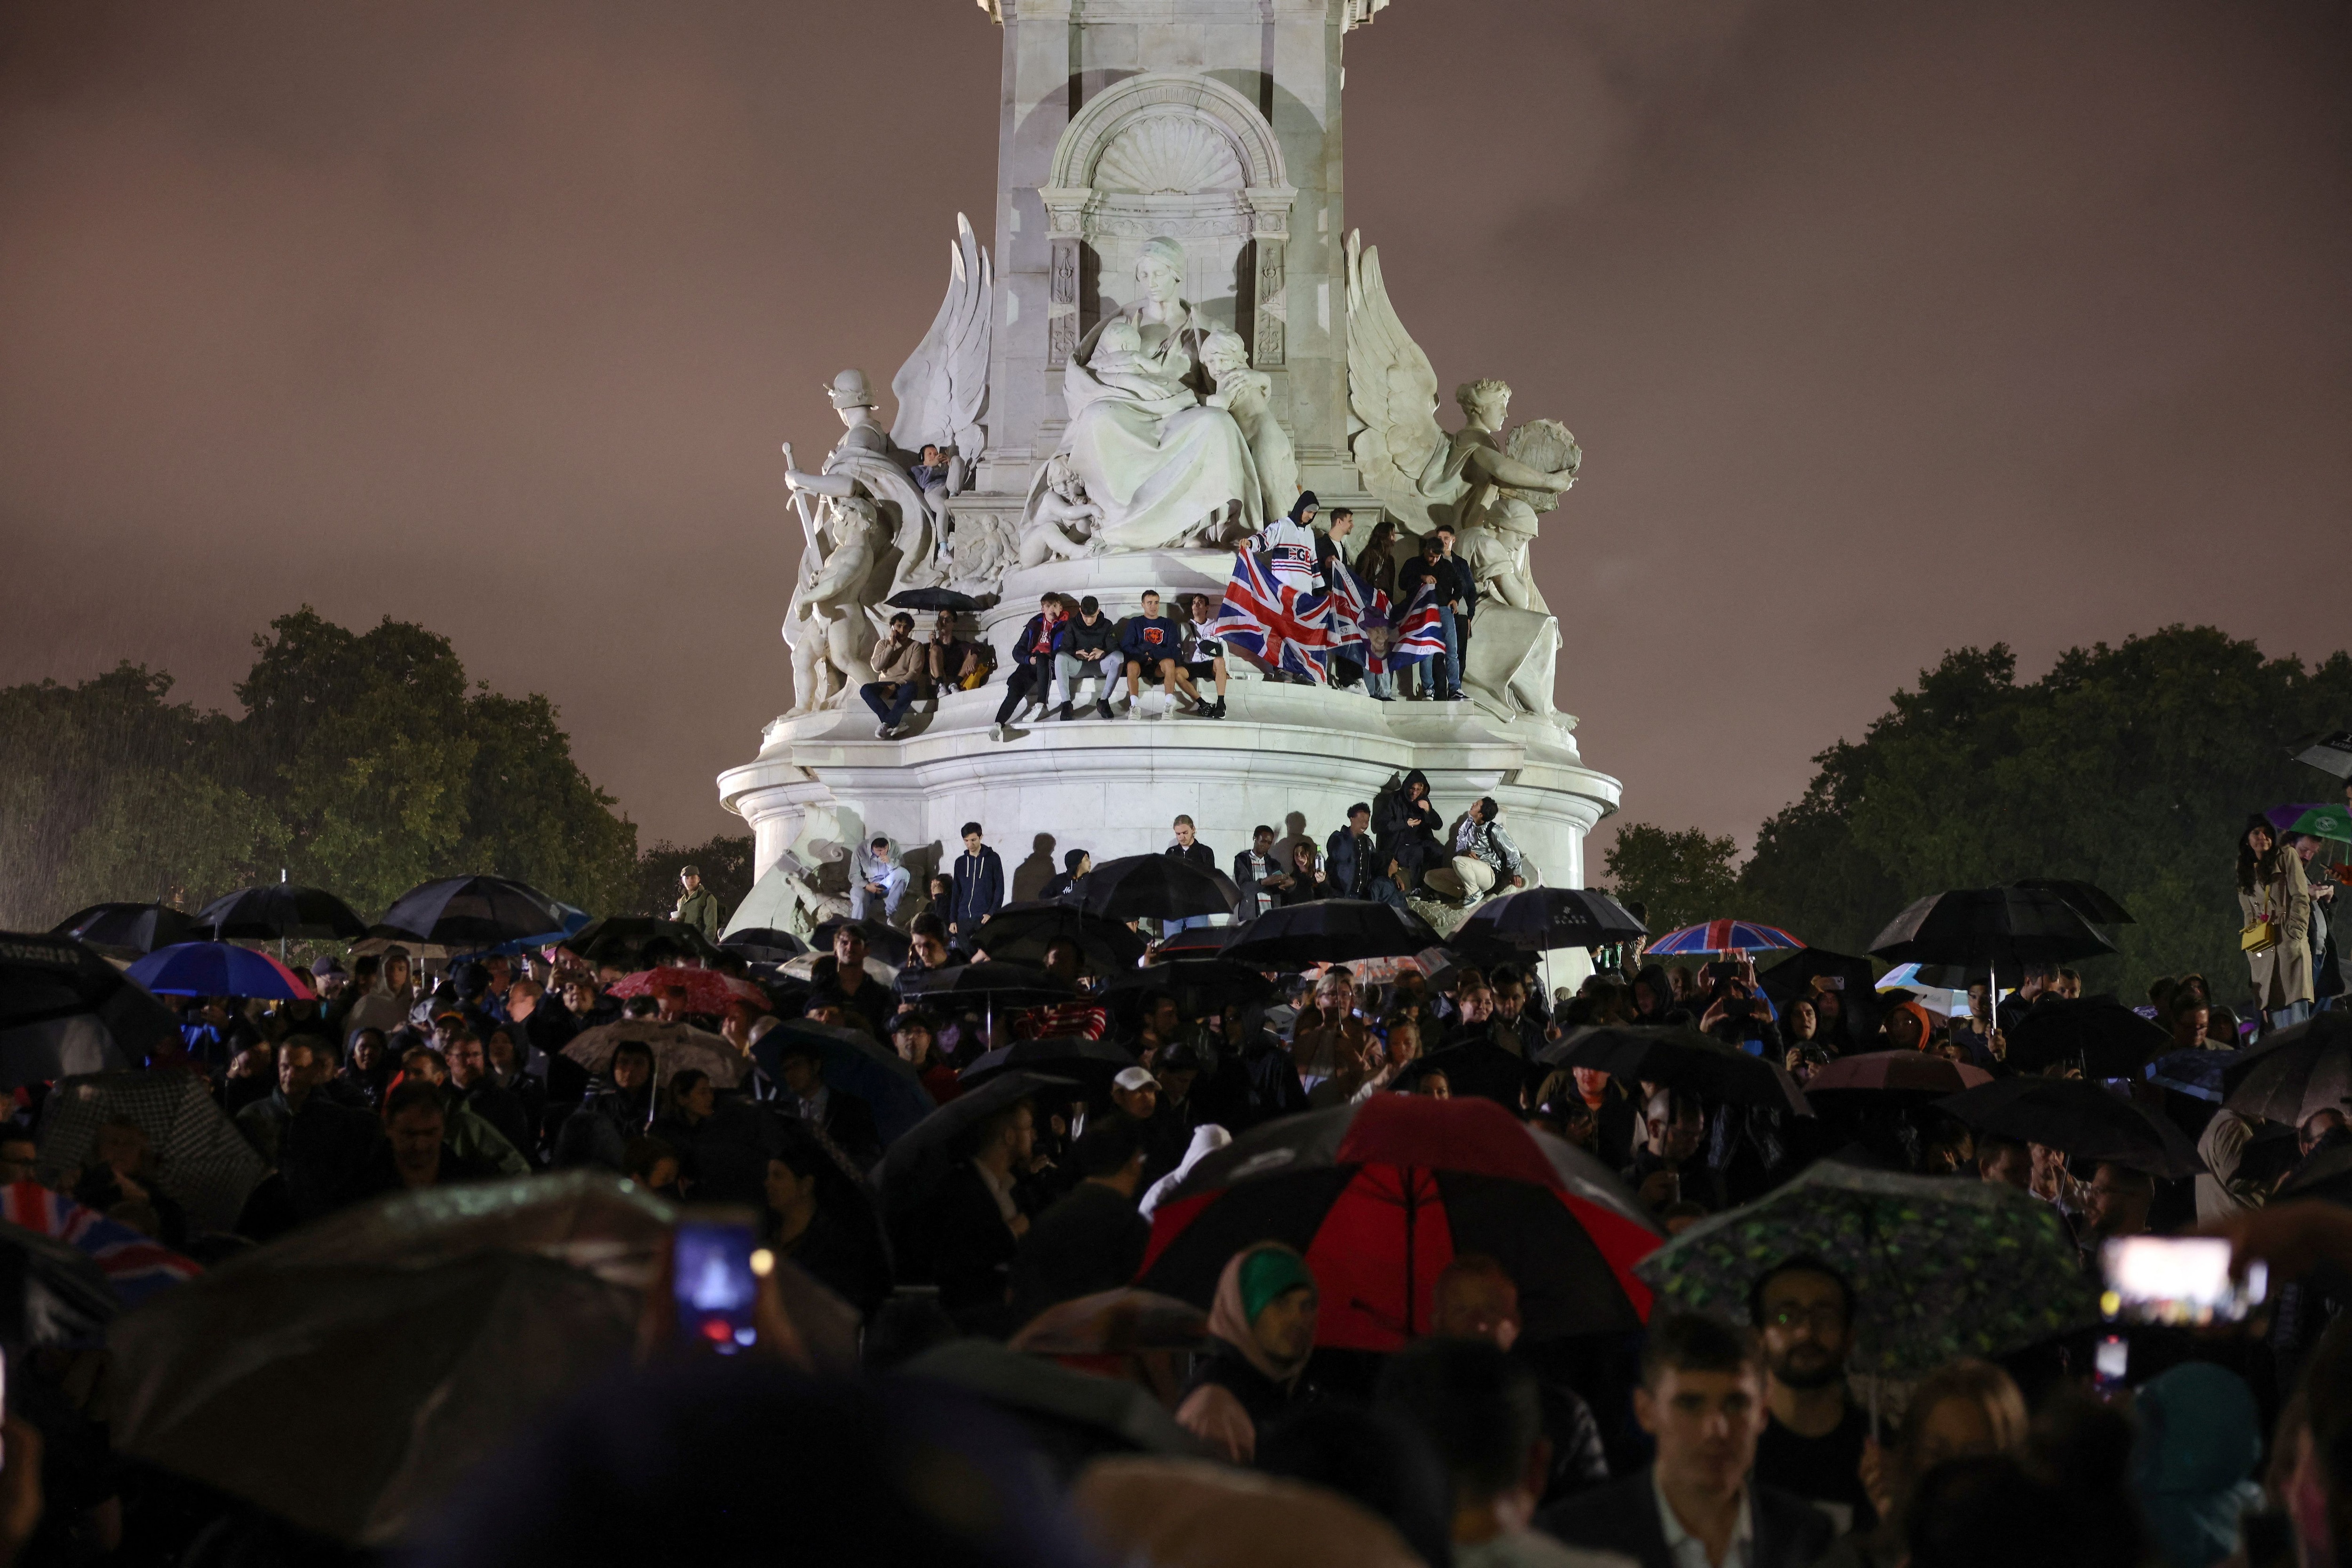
1654	995
1262	1329
877	875
2201	1439
1411	827
1289	545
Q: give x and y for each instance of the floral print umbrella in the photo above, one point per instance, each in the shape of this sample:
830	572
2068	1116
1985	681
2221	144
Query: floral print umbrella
1941	1266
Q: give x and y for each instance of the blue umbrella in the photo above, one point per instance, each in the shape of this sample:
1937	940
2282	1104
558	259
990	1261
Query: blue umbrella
217	969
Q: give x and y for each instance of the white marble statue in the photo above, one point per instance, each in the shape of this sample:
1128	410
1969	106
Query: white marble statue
830	624
942	389
1245	393
862	463
1164	468
1420	473
1061	522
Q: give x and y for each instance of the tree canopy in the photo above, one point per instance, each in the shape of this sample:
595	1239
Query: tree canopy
364	763
2133	767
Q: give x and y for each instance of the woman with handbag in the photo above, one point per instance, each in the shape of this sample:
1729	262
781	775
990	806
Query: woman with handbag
2275	899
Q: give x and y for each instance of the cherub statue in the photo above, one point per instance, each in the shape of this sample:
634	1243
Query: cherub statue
1243	392
828	624
1061	507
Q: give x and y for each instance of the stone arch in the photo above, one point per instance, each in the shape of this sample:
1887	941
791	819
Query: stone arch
1166	94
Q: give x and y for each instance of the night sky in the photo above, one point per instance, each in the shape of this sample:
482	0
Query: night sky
1885	329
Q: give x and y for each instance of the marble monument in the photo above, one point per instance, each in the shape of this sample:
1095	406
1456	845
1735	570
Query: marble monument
1171	336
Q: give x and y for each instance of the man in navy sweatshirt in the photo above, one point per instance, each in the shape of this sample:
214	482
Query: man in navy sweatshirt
979	887
1150	642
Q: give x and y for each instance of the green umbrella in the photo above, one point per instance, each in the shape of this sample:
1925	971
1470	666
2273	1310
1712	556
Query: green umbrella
2331	820
1941	1267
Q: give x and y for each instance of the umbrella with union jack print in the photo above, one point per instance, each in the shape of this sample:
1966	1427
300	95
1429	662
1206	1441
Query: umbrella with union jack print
1721	936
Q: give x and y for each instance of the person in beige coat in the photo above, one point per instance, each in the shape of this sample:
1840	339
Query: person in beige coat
2271	886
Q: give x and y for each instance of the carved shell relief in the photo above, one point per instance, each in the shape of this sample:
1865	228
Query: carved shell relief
1169	155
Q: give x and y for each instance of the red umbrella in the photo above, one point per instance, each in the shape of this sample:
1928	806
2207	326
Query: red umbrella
1897	1071
1382	1197
706	990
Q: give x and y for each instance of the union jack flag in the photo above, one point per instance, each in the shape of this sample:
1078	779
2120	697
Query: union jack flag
1419	631
136	1267
1276	625
1352	604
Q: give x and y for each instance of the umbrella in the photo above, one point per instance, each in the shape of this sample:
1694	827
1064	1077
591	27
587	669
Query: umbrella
937	1138
1159	886
360	1391
1019	934
1380	1196
931	599
1989	928
573	920
1076	1416
675	1047
1794	977
2326	1174
2296	1073
588	1219
65	1011
1327	930
137	927
1929	984
470	913
2322	820
51	1293
2329	754
1680	1057
989	984
1720	936
763	943
2200	1074
1897	1072
1197	942
2080	1119
884	942
706	990
1176	1512
1539	918
1939	1269
2112	1040
618	939
280	912
2093	903
218	969
1113	1322
1090	1062
804	969
1199	984
854	1063
202	1161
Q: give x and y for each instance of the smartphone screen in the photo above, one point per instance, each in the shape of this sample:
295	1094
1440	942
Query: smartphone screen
2180	1280
2110	1363
715	1283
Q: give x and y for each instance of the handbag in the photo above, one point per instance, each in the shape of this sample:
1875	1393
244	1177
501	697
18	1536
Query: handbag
2259	937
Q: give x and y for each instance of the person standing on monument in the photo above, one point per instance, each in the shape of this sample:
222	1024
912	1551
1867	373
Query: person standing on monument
1439	673
979	887
697	905
1460	595
1189	848
1290	545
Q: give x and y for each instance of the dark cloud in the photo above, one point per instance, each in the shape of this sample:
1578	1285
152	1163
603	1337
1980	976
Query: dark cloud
1885	329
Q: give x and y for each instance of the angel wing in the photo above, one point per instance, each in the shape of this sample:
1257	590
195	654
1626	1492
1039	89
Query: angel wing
942	389
1392	398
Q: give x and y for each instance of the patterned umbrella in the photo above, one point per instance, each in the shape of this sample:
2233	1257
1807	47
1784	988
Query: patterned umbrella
706	990
675	1047
202	1162
2326	820
1940	1269
1721	936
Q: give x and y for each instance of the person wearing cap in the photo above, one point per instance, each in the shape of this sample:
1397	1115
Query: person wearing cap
697	905
1075	863
1261	1332
1178	1069
327	977
1136	1094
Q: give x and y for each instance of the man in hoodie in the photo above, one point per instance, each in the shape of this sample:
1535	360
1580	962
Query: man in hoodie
979	885
1410	827
878	876
1087	641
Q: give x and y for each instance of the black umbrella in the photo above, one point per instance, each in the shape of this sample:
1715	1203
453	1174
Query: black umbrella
621	937
2111	1040
936	1141
1993	928
1021	934
2089	899
1199	984
1540	918
933	599
1327	930
2330	753
1010	981
2295	1073
855	1063
51	1293
133	928
64	1010
884	941
285	912
1093	1063
1158	886
1071	1417
763	945
2079	1118
1680	1057
466	912
1197	942
1854	980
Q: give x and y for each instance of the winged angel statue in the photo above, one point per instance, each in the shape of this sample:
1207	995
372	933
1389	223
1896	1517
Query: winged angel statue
874	516
1491	488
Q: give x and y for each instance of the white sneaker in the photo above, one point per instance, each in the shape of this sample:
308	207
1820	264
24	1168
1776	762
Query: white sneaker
999	731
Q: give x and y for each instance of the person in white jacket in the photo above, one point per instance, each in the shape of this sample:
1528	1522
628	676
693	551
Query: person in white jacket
878	876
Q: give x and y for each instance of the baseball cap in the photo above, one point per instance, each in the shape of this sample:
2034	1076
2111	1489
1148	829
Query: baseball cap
689	870
1133	1078
329	964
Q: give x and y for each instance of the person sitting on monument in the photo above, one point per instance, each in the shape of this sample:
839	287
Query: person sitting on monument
1075	863
1150	642
879	876
1201	656
956	665
1032	674
1410	826
1308	881
1087	640
901	664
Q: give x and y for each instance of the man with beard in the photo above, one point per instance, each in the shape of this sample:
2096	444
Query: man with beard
1813	1434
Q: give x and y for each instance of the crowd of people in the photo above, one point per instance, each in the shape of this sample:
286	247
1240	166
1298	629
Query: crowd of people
1700	1440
